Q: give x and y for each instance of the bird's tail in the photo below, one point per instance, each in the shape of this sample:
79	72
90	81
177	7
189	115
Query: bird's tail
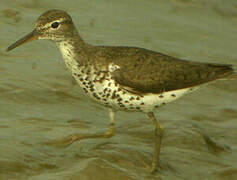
226	72
229	76
233	76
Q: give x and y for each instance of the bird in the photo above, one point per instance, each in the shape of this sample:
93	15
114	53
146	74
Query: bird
124	78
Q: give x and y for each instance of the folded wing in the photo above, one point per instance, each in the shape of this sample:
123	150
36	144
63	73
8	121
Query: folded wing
146	71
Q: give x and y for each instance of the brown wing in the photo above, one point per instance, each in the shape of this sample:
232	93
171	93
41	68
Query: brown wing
147	71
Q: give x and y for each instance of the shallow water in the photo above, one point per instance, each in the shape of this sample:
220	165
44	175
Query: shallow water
39	100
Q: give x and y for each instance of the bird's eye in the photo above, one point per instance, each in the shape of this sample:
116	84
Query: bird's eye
55	25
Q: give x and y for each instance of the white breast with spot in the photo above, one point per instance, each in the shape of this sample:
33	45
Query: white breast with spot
101	87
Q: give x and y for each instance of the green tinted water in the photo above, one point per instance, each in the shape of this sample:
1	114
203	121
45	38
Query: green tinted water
39	100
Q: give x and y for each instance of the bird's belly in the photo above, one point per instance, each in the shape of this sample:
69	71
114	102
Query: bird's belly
106	91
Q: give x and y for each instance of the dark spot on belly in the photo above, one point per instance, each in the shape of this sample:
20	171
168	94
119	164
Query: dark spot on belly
85	90
126	101
96	96
131	98
119	89
156	106
163	103
109	84
113	95
138	98
173	95
119	99
105	89
81	79
121	104
91	86
142	103
161	96
138	108
84	83
105	99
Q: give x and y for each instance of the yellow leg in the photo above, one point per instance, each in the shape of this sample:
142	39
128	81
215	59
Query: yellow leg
76	137
158	137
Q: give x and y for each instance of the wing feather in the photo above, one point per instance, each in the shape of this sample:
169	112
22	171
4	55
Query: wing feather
147	71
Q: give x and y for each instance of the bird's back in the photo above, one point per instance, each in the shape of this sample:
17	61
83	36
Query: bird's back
147	71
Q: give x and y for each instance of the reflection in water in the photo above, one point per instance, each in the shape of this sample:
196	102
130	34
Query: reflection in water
11	14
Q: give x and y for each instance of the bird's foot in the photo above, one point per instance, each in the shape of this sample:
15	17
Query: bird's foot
151	167
155	166
66	141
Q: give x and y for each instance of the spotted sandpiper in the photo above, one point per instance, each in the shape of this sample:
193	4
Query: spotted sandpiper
123	78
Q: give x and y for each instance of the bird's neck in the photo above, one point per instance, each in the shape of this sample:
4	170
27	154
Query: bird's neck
73	50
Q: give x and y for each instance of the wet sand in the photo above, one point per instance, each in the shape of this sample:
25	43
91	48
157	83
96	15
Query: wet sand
40	102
